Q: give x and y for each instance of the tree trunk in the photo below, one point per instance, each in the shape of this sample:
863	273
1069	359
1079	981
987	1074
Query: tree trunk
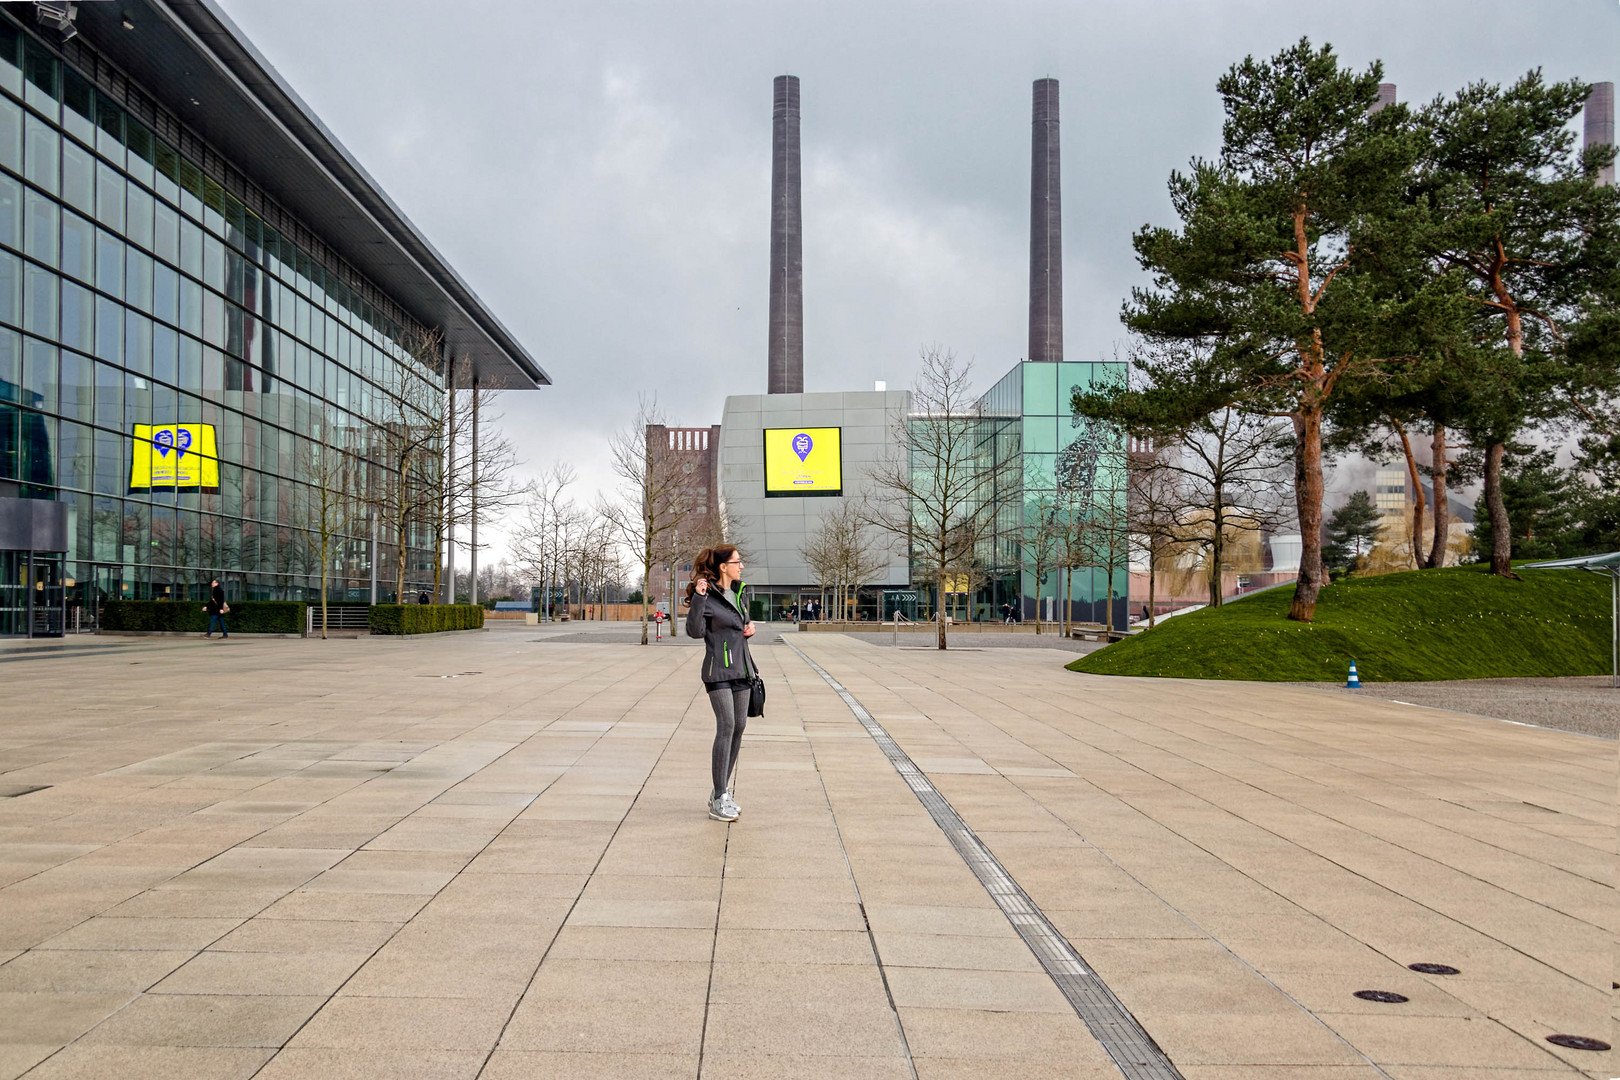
1418	501
1439	467
1217	546
325	546
940	606
1152	575
1037	598
400	531
1501	529
1308	503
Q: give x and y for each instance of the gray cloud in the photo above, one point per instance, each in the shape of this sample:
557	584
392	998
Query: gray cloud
599	173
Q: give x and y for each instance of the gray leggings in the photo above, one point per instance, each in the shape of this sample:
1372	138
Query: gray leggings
730	718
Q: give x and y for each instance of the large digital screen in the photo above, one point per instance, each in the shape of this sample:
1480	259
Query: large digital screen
180	456
803	461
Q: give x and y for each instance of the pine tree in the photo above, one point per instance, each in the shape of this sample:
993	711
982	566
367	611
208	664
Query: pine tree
1352	530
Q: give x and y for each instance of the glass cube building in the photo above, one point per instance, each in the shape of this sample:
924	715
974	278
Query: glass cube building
196	281
1047	460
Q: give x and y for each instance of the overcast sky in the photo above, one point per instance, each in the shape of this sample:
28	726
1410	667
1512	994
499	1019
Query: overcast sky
599	173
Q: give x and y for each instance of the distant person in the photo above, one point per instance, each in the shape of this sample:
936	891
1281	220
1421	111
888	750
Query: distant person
422	597
1147	615
217	609
716	614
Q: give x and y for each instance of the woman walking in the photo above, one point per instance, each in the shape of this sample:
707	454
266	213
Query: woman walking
715	614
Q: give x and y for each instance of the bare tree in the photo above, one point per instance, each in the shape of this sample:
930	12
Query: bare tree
1233	469
656	496
934	489
1039	540
332	473
404	445
844	553
1102	525
538	543
1154	502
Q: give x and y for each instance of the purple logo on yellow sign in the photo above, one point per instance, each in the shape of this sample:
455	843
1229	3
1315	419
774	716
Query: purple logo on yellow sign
801	445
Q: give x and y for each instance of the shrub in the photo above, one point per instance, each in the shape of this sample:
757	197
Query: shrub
245	617
424	618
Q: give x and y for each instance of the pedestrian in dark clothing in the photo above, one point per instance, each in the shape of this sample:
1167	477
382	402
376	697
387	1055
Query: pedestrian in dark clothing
217	609
422	597
716	613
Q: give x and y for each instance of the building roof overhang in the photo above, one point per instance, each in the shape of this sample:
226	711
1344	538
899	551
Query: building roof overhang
202	67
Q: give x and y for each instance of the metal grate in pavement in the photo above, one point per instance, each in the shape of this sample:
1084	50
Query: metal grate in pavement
1121	1035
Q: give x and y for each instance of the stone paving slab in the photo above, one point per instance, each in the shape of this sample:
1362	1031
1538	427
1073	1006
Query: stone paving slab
285	858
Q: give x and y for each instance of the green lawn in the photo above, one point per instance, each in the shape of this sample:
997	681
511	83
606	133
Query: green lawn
1459	623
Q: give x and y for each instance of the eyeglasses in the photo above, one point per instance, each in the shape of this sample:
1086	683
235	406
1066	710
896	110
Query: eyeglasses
732	562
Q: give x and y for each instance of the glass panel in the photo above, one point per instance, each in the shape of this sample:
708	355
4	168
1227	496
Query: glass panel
10	366
165	355
39	300
111	478
109	330
213	264
78	316
10	68
166	294
11	135
109	263
191	304
10	212
138	279
190	363
110	137
213	200
78	177
10	289
137	401
39	374
43	149
1040	390
140	141
138	342
166	233
191	179
77	390
191	249
74	456
139	228
42	228
80	101
39	68
213	319
166	168
109	397
235	230
78	246
109	197
213	372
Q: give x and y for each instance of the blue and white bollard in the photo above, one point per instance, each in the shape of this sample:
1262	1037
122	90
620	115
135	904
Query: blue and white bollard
1355	680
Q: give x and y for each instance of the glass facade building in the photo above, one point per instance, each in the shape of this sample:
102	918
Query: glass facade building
173	336
1046	459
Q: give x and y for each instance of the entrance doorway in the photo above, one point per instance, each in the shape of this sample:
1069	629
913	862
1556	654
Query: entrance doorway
33	594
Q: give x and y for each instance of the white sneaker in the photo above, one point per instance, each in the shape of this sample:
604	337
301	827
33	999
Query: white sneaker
721	810
728	803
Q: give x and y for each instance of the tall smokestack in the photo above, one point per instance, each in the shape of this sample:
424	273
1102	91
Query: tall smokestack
1045	229
786	356
1386	97
1599	117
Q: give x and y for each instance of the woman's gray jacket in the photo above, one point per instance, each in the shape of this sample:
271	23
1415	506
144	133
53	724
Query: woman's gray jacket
716	616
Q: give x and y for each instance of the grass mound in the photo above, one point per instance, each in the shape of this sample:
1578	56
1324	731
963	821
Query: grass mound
1458	623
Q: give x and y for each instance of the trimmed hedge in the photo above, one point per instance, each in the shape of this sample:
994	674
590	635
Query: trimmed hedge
245	617
424	618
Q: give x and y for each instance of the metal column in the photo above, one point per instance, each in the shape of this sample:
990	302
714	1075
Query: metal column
450	479
472	493
373	559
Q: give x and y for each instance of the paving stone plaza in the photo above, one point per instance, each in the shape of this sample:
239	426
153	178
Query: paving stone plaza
487	855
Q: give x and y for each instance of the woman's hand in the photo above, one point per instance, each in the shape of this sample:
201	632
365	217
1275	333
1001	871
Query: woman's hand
701	586
748	631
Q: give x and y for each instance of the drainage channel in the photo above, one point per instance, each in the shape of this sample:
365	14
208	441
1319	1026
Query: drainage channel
1111	1023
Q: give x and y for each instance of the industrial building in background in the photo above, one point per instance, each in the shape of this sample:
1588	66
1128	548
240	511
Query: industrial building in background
1598	120
199	289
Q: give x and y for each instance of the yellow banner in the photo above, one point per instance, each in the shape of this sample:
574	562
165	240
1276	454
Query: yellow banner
804	461
180	456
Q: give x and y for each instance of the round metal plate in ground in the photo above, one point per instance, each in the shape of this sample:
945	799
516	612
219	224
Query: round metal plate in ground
1387	997
1577	1042
1434	969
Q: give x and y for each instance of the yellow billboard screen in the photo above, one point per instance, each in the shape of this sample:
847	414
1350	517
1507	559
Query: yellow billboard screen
803	461
182	456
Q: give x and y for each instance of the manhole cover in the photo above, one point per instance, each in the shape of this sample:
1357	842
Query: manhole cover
1577	1042
1434	969
1388	997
